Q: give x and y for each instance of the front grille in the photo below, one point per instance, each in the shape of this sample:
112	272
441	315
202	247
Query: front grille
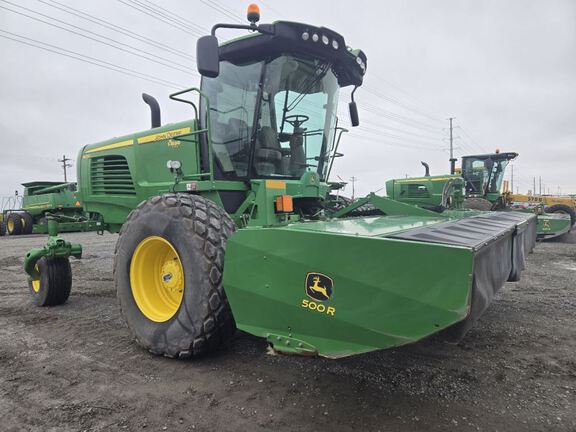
110	175
414	191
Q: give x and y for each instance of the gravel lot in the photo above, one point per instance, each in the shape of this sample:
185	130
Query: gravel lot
75	367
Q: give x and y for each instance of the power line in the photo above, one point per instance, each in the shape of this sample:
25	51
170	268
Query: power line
167	15
395	101
397	117
171	15
481	147
423	106
114	27
160	18
217	6
170	63
91	60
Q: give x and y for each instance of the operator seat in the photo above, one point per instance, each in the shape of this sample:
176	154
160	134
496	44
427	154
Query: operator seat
268	152
297	155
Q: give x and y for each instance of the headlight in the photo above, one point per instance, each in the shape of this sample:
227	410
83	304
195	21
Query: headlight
173	165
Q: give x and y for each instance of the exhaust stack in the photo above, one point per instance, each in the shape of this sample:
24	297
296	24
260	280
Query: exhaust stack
154	110
427	173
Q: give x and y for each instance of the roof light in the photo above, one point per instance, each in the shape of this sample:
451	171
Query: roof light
315	37
325	39
305	36
253	13
335	44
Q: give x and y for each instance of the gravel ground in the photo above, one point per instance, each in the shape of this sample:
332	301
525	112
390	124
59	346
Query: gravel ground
75	367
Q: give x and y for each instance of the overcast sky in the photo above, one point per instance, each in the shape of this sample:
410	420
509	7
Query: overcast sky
506	70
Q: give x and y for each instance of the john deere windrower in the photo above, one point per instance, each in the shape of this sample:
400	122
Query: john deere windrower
226	220
479	185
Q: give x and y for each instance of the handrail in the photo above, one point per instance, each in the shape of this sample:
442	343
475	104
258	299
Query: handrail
207	130
340	131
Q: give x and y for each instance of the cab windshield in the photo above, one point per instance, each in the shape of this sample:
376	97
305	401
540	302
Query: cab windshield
274	118
484	175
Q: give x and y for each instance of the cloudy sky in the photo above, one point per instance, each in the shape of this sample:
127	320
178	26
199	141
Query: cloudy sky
506	70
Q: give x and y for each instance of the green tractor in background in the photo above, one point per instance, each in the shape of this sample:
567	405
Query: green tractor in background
226	220
484	177
43	200
436	193
478	185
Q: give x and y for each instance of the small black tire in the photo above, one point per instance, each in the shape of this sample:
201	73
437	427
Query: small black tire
2	228
197	230
477	204
562	208
14	224
55	282
27	223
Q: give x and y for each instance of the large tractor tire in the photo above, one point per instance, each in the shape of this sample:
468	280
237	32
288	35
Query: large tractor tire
14	224
562	208
2	228
477	204
27	223
55	282
168	268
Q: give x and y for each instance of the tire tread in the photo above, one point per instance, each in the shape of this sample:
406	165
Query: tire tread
212	227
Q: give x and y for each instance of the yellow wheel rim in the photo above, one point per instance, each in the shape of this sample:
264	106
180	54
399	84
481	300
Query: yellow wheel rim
157	279
36	282
10	226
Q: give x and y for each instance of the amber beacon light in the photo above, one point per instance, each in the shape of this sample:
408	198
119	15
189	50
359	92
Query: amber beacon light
253	13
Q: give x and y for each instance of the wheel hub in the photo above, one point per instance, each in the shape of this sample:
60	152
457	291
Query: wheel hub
157	279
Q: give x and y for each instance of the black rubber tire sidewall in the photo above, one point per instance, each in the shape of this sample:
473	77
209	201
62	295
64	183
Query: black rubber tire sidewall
188	332
561	208
55	282
17	220
2	228
27	223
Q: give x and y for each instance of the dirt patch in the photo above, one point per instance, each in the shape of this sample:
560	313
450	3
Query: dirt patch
75	367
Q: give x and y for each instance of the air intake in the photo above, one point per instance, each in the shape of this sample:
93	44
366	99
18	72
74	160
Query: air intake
110	175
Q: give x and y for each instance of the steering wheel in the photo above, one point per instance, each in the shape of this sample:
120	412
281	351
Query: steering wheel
296	120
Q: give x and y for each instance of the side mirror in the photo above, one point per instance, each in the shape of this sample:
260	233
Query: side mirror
353	113
207	56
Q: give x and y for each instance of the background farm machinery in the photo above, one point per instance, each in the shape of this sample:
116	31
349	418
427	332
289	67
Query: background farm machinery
478	186
44	201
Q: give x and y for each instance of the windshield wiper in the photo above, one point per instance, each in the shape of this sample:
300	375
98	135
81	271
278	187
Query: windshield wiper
320	72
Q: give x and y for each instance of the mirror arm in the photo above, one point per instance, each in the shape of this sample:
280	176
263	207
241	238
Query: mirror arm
253	27
352	94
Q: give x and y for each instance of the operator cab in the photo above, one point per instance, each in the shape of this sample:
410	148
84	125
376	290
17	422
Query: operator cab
273	98
484	174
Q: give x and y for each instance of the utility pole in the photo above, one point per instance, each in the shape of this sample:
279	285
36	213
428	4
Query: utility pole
452	160
64	161
534	186
512	178
540	187
353	180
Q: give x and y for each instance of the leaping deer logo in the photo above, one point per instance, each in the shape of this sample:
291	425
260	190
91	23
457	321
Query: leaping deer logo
318	286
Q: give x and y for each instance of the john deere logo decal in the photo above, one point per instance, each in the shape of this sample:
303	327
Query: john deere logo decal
319	286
